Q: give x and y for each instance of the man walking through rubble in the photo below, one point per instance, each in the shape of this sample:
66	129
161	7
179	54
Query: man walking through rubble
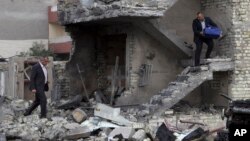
199	24
38	86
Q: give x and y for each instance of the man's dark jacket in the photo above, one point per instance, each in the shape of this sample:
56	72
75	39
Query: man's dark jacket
197	27
37	79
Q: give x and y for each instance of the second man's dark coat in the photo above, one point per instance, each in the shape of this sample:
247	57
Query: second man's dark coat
37	79
197	27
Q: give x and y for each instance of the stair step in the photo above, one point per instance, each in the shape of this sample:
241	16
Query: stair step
186	82
182	78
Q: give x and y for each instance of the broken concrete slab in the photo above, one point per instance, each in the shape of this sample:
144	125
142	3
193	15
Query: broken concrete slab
94	123
79	115
112	114
126	132
71	126
78	133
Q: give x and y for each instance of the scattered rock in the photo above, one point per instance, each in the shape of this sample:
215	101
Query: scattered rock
79	115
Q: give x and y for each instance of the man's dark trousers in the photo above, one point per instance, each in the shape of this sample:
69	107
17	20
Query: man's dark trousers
199	43
40	99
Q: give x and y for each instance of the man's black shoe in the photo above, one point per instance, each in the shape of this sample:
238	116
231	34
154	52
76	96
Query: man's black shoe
26	113
41	117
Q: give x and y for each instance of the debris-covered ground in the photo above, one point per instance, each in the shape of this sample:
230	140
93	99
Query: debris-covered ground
77	120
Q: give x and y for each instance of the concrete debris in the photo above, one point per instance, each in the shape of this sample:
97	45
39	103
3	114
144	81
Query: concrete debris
189	134
19	105
94	123
112	114
78	133
71	126
79	115
104	123
126	132
72	103
89	10
140	135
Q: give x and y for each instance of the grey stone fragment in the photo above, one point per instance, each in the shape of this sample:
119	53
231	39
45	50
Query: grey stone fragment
71	126
81	132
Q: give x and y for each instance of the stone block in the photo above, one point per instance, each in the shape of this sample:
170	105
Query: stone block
79	115
110	113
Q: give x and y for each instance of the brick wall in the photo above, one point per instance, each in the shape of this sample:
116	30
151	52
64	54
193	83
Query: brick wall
236	44
61	80
220	11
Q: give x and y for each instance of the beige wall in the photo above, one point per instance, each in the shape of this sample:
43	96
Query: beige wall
179	18
56	31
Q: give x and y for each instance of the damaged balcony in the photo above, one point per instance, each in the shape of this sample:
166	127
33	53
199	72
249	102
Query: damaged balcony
77	11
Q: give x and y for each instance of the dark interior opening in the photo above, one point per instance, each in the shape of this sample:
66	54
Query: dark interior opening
109	48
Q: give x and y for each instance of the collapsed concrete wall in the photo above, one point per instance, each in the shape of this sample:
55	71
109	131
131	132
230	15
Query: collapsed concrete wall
92	10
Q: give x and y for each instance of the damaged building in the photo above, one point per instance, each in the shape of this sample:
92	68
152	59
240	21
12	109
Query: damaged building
150	42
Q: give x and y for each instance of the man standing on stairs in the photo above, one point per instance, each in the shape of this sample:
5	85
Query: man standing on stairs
199	25
38	86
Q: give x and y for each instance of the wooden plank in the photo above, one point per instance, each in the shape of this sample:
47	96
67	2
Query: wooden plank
114	79
83	84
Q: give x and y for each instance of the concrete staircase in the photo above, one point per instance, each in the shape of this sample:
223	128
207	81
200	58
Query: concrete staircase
167	37
186	82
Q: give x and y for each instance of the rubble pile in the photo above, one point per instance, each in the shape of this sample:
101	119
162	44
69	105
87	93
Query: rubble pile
77	120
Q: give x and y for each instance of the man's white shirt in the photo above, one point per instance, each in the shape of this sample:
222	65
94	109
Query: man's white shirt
44	72
203	24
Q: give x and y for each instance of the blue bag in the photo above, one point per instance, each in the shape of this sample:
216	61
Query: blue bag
212	32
